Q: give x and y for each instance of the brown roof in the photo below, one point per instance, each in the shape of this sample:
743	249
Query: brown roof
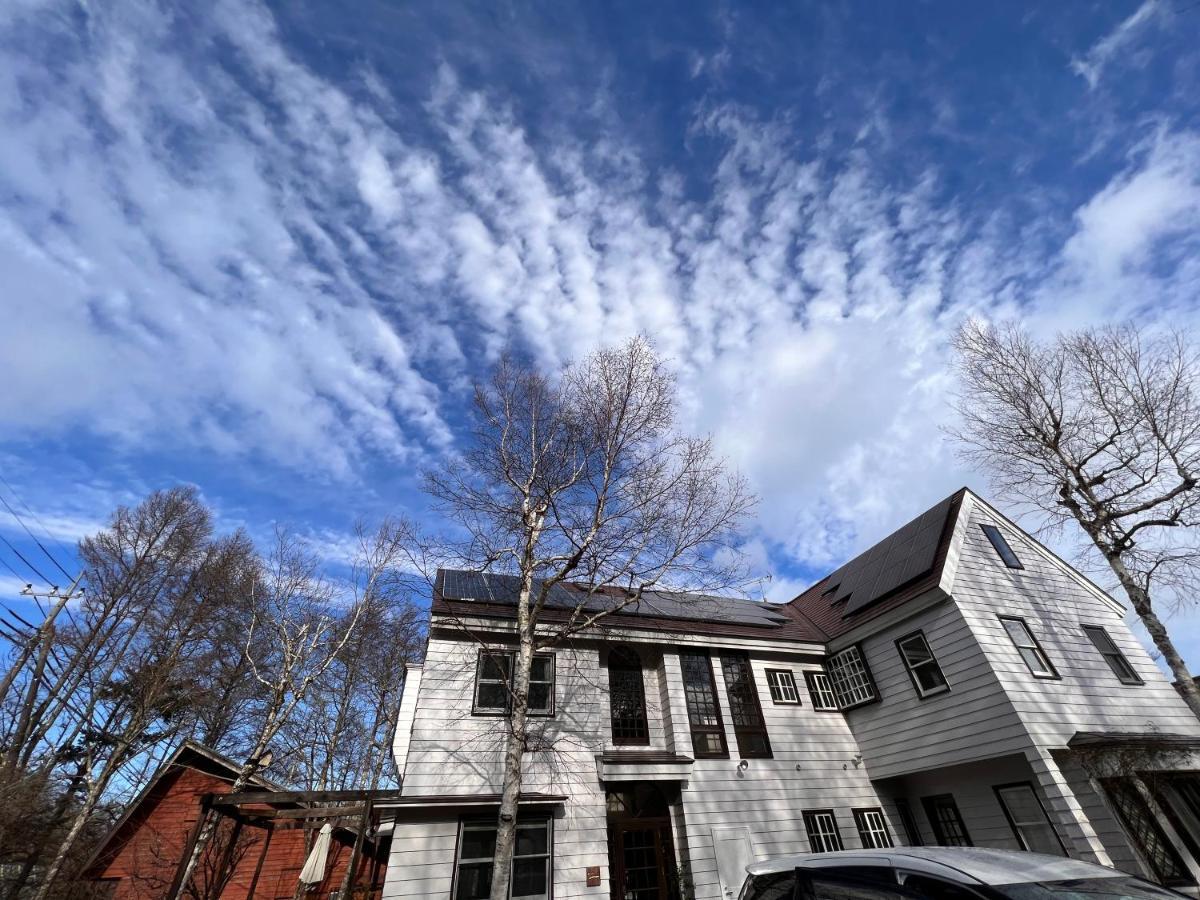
827	612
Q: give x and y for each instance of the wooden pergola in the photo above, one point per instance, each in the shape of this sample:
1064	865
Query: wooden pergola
353	811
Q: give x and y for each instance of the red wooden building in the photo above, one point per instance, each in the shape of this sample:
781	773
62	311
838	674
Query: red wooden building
259	847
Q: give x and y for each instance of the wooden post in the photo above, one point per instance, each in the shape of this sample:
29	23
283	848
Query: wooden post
205	809
363	824
224	873
258	868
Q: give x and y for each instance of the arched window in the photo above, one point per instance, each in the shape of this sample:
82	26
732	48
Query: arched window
627	697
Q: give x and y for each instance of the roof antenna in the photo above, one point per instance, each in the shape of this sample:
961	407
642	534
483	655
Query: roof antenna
761	590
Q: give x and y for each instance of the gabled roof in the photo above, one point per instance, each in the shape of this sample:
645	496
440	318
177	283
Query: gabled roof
464	593
902	566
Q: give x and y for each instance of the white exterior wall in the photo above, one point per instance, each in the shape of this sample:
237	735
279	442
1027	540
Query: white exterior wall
1053	602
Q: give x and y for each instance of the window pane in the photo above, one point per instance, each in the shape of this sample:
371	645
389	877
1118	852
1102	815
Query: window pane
1001	545
478	843
542	668
491	696
496	666
708	735
539	697
474	882
529	877
1017	631
1029	819
777	886
916	651
531	839
707	742
930	678
849	679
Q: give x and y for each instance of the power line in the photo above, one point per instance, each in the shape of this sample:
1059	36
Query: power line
22	558
33	536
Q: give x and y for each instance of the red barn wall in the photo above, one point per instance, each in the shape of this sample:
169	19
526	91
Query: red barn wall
141	859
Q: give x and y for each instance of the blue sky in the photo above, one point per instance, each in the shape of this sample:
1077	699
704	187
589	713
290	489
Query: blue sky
266	251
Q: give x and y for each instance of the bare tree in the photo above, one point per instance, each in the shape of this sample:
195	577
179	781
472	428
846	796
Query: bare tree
583	477
301	634
1101	428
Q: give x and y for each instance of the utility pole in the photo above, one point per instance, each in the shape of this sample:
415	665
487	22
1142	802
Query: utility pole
42	642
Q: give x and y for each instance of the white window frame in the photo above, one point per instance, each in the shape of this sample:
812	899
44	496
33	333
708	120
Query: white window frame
782	683
820	692
478	709
466	825
850	678
822	829
872	828
1027	645
922	665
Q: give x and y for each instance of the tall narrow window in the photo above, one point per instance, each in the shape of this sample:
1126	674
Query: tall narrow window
820	692
747	715
1027	645
851	679
948	827
912	833
1028	819
1145	833
530	866
1112	654
872	829
704	711
627	697
923	669
996	536
783	686
493	683
823	834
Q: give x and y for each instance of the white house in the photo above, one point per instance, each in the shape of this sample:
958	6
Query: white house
957	683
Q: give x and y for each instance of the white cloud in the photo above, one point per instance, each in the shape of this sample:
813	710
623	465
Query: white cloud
1091	65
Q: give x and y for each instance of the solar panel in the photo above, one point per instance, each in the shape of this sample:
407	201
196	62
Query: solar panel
904	555
455	584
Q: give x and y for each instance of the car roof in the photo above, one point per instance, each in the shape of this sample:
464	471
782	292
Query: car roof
966	865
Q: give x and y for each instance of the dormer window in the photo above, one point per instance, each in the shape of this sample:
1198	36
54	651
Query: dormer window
627	697
996	536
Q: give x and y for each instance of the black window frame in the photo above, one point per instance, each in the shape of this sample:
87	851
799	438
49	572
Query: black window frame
795	688
1131	677
817	694
860	815
511	655
627	667
998	790
908	821
922	693
1127	803
693	727
945	801
482	822
1037	647
1001	545
866	672
809	818
739	707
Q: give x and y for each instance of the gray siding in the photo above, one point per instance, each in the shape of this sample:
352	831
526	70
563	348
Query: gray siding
903	733
1054	603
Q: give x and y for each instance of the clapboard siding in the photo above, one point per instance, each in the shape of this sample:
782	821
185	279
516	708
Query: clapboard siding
1055	604
904	733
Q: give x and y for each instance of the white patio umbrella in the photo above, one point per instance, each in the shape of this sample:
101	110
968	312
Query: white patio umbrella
314	867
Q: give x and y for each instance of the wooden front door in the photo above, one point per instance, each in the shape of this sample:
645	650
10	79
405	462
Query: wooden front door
643	861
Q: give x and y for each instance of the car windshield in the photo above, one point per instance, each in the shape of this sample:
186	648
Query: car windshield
1086	889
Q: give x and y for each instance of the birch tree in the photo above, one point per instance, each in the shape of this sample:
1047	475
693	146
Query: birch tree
1101	429
582	476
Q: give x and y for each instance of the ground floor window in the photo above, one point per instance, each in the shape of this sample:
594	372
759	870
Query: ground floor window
911	832
872	829
823	834
1145	833
947	823
1028	819
531	872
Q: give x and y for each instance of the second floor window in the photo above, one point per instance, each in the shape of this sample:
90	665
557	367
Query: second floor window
493	683
820	692
924	670
1112	654
627	697
704	710
851	679
747	715
1027	645
783	686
